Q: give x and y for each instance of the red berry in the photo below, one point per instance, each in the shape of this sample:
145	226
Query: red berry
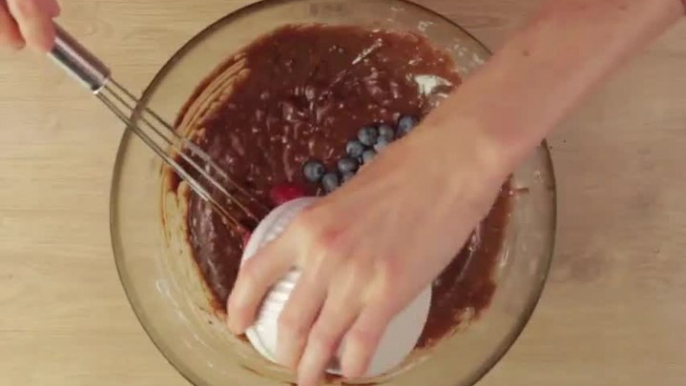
280	194
246	238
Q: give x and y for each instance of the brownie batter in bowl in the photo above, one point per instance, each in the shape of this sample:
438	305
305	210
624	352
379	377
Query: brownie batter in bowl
264	99
302	93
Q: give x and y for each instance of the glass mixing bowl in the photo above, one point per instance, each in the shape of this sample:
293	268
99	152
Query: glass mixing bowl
159	276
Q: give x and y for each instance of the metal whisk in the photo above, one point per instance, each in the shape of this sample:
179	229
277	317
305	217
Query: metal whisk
159	135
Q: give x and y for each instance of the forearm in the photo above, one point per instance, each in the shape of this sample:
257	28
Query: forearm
546	69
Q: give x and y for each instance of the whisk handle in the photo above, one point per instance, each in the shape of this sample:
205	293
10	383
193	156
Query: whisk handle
78	61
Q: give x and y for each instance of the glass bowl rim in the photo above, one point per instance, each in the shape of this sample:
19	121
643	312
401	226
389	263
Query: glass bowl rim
239	13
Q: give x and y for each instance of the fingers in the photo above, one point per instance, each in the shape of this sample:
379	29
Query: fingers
297	318
34	18
363	338
337	315
9	31
52	8
254	280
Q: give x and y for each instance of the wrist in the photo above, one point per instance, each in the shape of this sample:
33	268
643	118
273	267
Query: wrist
471	159
477	138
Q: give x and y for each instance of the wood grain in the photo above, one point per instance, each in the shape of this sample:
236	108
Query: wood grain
613	312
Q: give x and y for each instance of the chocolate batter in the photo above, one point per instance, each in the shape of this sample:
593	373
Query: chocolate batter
301	93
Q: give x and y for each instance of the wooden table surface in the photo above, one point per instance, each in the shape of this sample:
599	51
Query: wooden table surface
613	312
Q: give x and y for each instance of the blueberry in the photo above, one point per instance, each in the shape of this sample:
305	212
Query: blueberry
368	156
313	170
386	132
406	123
368	135
354	148
347	176
347	164
381	143
330	182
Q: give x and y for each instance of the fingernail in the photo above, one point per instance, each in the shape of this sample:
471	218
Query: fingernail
44	47
55	9
12	43
354	363
309	369
230	324
285	355
282	356
230	318
17	45
235	326
309	381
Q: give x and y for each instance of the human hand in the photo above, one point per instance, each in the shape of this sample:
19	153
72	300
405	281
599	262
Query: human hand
29	22
368	249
